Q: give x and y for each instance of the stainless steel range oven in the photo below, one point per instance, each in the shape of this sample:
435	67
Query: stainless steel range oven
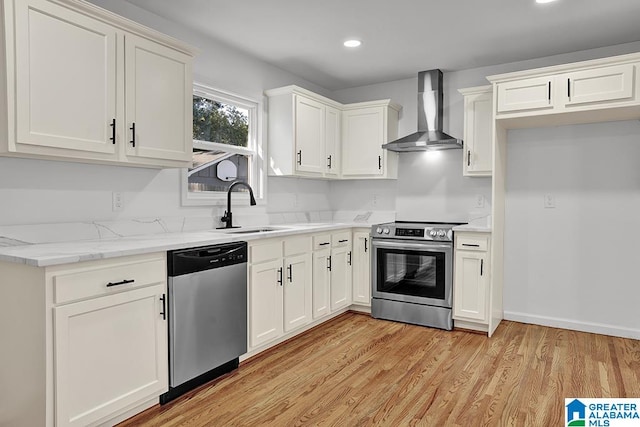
412	273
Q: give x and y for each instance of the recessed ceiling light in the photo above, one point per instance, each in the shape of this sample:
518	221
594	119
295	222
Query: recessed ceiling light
544	1
352	43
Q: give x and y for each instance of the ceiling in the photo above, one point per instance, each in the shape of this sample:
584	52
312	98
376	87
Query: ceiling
401	37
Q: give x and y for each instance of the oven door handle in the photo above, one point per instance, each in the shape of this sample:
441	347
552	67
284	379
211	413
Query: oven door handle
408	245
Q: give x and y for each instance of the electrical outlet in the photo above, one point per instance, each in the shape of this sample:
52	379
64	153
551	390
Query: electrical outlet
549	201
479	201
116	201
374	200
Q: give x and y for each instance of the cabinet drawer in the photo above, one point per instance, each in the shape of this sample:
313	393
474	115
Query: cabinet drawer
264	252
341	239
472	243
107	277
321	241
297	245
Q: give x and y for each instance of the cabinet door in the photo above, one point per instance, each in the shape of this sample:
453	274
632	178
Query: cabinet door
265	302
309	134
599	85
320	283
526	94
65	78
332	138
361	268
362	139
478	134
110	352
297	291
470	297
159	114
341	274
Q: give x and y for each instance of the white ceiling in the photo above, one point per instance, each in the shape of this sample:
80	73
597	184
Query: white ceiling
402	37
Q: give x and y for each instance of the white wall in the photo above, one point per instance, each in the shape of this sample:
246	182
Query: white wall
576	263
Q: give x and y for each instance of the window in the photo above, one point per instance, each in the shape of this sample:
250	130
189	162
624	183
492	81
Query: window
226	147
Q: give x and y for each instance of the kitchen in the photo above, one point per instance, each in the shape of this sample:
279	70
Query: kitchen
595	188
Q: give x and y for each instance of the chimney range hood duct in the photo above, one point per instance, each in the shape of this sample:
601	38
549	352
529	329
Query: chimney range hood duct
429	135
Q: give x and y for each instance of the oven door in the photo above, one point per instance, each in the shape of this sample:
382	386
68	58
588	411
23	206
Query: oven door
416	272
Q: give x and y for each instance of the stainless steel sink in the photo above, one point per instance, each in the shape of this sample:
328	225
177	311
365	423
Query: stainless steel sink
252	230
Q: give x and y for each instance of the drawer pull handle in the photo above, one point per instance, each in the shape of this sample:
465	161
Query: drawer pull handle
343	240
468	244
123	282
323	244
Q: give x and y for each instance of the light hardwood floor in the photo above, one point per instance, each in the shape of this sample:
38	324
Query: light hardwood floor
356	370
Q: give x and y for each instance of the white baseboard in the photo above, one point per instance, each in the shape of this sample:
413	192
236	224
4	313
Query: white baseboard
574	325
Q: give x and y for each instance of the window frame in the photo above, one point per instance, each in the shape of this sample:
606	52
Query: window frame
254	150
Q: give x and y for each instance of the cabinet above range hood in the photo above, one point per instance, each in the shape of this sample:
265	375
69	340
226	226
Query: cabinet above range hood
430	135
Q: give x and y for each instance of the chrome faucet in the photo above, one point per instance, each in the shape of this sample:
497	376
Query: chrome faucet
228	217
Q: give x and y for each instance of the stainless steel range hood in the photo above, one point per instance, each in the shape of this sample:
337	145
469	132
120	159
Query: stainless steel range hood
430	135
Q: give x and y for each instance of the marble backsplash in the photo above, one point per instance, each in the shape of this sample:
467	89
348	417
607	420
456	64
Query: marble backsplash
16	235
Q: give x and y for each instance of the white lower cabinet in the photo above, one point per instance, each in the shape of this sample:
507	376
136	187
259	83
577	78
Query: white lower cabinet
88	340
361	268
321	282
279	288
341	263
332	272
265	302
471	281
110	352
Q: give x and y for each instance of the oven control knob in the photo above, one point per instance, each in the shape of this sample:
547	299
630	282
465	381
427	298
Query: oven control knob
433	233
379	230
441	233
385	230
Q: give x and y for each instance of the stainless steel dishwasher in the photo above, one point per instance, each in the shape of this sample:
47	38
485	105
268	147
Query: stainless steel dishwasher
207	310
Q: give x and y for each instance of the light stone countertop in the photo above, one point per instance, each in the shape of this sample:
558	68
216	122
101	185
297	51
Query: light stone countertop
473	228
47	254
477	225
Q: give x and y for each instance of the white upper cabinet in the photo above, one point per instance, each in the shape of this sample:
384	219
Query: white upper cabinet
332	137
304	134
478	130
526	94
65	79
315	137
158	101
309	135
600	85
79	81
366	126
591	91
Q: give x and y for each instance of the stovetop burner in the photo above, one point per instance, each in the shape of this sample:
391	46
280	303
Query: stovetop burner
406	230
